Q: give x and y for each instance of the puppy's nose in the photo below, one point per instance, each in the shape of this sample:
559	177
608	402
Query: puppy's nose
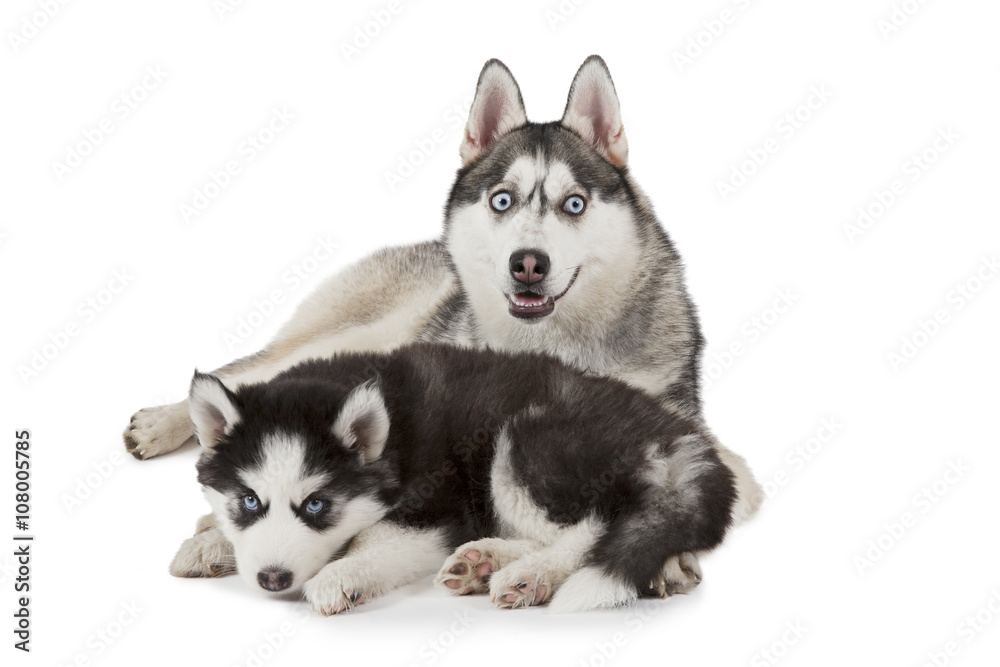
274	580
529	266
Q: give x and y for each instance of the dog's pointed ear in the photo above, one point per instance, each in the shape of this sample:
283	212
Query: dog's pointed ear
213	409
363	423
592	111
496	110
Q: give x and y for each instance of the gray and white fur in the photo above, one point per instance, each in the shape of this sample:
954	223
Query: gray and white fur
575	265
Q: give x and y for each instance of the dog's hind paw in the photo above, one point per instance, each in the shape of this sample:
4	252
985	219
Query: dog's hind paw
681	574
470	568
207	554
340	586
521	586
158	430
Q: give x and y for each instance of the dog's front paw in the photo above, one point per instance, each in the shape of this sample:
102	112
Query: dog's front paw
207	554
681	574
340	586
155	431
521	585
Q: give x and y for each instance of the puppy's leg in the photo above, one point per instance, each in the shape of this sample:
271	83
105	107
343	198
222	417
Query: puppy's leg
207	554
681	574
469	569
380	559
533	578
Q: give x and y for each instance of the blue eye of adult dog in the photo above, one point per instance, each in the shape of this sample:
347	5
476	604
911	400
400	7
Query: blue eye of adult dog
314	506
574	205
251	502
501	201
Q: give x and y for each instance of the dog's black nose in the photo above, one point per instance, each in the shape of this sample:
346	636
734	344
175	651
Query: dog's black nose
274	580
529	266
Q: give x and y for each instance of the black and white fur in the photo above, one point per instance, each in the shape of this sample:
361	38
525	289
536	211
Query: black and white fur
603	291
557	485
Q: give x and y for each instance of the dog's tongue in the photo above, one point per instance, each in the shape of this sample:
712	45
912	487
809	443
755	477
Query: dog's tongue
528	298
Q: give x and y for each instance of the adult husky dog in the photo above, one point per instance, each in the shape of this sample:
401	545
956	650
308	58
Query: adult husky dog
569	485
549	246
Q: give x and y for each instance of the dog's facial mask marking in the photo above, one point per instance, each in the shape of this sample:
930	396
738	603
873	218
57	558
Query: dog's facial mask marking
285	518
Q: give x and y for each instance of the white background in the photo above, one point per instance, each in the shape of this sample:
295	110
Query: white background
899	427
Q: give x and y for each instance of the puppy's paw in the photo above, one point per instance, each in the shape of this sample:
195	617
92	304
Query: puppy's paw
340	586
470	568
681	574
207	554
521	585
158	430
466	571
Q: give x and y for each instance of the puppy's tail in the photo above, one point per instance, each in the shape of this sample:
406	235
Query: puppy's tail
591	588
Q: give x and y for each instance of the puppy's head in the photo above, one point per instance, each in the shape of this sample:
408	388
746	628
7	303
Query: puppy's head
292	471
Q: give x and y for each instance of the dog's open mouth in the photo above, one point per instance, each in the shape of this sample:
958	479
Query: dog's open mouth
529	305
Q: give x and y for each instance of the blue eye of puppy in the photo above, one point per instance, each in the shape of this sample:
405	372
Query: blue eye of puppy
501	201
574	205
251	502
314	506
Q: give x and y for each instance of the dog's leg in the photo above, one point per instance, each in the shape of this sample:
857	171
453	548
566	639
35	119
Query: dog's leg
378	304
681	574
532	579
380	559
207	554
158	430
749	494
469	569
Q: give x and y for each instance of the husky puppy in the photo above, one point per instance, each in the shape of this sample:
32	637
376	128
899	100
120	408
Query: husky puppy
549	246
538	481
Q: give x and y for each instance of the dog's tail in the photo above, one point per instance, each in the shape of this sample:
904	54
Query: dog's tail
650	546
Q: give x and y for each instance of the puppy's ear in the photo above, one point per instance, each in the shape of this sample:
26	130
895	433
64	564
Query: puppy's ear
213	409
496	110
592	111
363	423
